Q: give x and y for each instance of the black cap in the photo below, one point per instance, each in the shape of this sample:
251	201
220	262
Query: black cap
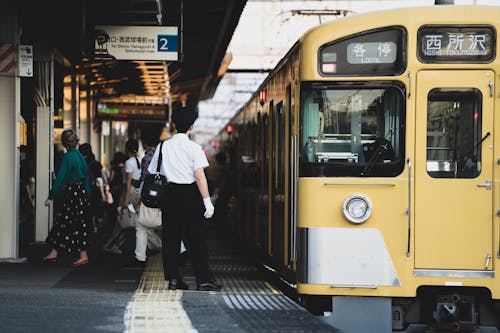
185	115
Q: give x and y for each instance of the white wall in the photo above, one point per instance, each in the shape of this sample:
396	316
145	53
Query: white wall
9	166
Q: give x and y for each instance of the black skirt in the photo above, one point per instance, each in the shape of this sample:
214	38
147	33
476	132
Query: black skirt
70	232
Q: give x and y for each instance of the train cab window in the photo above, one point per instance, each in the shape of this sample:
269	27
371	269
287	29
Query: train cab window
376	52
352	130
454	133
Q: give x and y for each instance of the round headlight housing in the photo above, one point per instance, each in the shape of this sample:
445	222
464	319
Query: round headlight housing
357	208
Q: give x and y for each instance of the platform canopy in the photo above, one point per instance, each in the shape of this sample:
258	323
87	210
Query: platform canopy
206	28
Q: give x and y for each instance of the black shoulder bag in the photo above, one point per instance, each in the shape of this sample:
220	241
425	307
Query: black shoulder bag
154	187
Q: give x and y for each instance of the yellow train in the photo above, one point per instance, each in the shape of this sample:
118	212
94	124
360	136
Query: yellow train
368	169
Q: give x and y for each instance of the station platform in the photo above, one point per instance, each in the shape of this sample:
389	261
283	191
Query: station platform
109	296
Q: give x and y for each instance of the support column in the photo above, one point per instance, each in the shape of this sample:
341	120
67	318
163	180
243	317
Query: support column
10	114
44	92
95	138
71	116
85	124
43	171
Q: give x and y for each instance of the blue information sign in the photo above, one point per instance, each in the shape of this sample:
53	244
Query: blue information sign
167	43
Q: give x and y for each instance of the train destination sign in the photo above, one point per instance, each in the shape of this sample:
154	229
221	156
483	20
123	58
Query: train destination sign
375	52
131	111
456	44
371	53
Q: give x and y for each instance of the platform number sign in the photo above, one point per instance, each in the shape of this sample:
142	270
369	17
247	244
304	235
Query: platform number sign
144	43
167	43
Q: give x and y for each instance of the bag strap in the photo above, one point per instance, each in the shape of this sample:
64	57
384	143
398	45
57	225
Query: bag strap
160	158
138	164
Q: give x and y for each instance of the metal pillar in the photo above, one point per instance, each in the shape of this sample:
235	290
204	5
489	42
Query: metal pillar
10	116
71	116
95	138
44	97
84	131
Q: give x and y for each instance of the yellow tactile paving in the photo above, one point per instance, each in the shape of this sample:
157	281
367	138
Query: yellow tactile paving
153	308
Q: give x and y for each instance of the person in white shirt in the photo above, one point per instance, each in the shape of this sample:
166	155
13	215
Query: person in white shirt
187	204
132	175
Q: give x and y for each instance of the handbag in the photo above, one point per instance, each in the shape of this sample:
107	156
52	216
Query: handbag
126	219
154	187
149	217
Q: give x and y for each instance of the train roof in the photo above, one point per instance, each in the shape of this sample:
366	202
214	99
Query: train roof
411	16
415	17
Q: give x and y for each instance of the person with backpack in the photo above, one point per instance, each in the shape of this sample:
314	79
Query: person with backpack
144	233
132	192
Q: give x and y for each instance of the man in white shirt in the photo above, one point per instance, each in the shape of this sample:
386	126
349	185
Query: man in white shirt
187	204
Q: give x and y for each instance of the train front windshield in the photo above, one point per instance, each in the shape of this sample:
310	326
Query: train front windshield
350	130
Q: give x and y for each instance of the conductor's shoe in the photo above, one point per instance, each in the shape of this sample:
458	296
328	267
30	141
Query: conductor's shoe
135	263
209	286
174	284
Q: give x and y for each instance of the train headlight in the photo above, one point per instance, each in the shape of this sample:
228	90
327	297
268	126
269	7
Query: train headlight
357	208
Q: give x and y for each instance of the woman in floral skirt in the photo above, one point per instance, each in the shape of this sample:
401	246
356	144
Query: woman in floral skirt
70	232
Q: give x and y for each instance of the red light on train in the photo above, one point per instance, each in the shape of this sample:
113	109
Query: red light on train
476	115
262	97
214	144
329	68
229	129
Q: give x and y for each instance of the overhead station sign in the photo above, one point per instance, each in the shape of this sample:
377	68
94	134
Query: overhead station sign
137	42
130	111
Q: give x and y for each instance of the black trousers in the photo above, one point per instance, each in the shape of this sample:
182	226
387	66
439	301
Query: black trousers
182	219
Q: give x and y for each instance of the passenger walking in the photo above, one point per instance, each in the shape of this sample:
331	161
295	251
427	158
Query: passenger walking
187	202
142	232
97	181
70	231
117	188
132	175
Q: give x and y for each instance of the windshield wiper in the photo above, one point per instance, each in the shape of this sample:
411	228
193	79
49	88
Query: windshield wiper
471	154
371	162
480	142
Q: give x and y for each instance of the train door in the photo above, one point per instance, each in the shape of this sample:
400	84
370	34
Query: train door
454	169
278	183
263	201
291	189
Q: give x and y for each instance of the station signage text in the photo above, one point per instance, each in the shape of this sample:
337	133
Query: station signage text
456	44
137	43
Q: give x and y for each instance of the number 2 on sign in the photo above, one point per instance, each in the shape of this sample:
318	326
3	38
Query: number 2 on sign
163	41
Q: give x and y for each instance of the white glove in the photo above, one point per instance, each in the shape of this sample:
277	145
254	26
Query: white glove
209	208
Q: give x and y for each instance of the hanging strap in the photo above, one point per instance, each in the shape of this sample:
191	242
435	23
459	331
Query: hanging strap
160	158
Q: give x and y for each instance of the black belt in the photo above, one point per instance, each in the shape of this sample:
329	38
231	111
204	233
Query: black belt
181	185
136	183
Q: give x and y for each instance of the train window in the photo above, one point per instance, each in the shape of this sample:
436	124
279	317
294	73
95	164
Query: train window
454	133
454	44
352	129
375	52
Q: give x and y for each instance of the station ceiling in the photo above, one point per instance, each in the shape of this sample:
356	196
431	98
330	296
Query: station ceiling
68	26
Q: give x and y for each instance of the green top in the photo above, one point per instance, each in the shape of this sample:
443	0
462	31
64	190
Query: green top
73	169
